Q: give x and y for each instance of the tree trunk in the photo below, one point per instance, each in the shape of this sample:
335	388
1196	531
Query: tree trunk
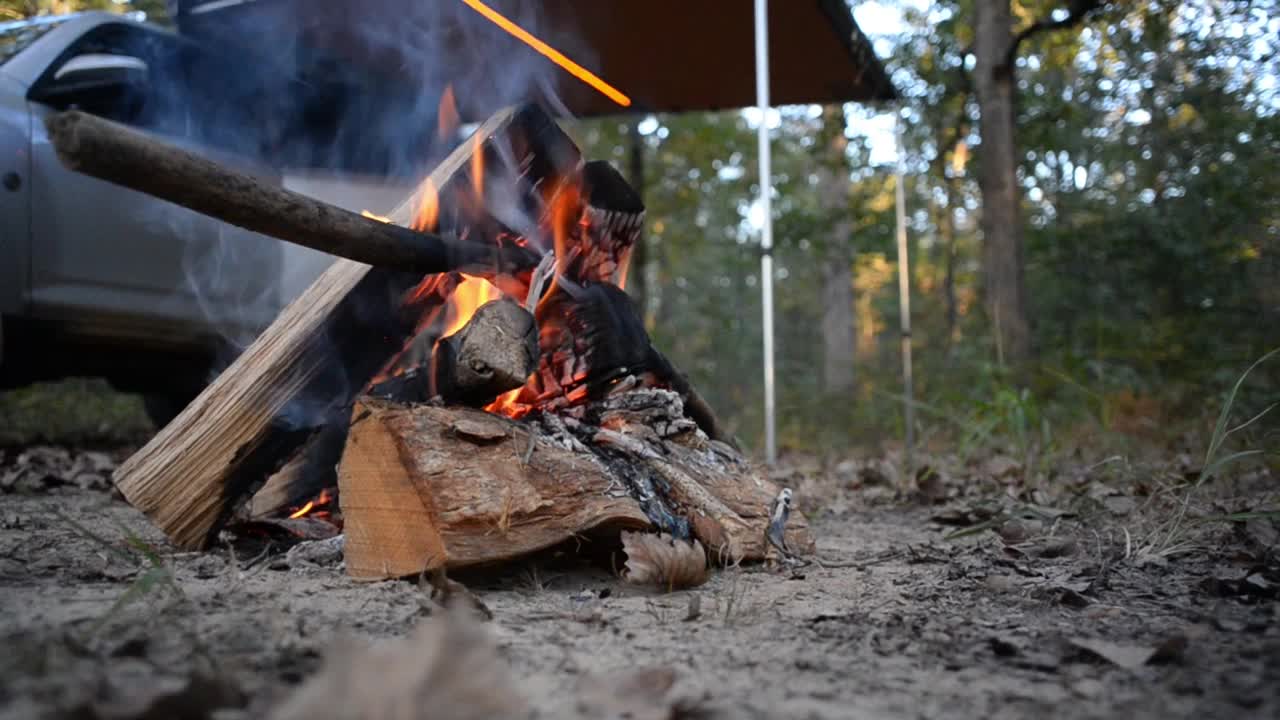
839	337
1005	289
947	230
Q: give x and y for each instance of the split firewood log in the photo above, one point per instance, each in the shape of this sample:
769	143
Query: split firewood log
425	486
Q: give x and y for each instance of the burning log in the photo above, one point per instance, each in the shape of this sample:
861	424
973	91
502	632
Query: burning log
493	353
117	154
425	487
304	370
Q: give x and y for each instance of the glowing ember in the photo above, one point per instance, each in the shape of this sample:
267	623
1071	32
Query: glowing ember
375	216
317	507
550	53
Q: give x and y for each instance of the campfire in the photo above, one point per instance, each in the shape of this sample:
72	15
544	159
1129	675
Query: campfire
470	385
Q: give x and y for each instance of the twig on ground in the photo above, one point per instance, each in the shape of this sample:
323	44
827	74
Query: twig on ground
445	591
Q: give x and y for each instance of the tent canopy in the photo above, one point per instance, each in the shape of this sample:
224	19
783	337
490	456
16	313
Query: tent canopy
666	55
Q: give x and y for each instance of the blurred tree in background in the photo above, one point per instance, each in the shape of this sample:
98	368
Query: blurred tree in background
1147	144
1116	267
156	10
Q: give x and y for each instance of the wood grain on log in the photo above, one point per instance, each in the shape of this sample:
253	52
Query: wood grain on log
423	487
115	153
195	471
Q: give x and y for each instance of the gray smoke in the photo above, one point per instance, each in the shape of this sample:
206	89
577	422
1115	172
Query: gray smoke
343	87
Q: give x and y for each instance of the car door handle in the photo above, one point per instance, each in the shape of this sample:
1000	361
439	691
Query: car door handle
11	181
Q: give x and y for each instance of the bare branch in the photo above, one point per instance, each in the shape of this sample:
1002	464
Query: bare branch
1077	11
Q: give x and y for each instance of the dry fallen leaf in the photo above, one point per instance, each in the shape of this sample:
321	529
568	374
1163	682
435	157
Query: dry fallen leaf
663	561
1129	657
639	694
448	669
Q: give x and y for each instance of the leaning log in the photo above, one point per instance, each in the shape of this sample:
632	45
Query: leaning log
424	487
115	153
303	370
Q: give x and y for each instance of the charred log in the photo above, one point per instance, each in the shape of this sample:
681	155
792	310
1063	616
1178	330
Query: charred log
493	353
591	337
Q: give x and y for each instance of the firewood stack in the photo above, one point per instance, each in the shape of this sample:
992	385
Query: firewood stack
540	416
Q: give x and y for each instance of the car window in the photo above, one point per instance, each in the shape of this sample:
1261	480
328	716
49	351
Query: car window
189	93
127	101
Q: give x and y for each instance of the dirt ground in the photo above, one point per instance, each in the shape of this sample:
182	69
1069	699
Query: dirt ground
1091	605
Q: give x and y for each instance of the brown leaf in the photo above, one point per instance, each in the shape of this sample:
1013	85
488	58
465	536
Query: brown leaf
663	561
1129	657
448	669
639	694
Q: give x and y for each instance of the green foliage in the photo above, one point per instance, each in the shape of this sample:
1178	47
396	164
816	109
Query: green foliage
156	10
1149	137
77	410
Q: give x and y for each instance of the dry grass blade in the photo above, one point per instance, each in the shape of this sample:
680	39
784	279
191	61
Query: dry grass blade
448	669
663	561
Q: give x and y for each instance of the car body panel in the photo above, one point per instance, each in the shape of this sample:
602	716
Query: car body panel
93	259
15	205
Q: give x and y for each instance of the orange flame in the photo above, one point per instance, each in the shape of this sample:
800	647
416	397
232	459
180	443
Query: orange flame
375	216
477	166
550	53
447	119
321	501
466	299
429	207
508	404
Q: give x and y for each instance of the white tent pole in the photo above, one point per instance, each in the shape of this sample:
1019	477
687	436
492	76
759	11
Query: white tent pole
766	229
904	298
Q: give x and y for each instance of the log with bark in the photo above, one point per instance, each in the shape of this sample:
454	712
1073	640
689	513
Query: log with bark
425	487
115	153
306	367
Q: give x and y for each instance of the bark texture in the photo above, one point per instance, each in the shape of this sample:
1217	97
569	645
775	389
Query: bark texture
425	487
839	318
1003	265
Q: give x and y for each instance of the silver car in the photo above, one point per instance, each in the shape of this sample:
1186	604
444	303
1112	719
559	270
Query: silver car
96	279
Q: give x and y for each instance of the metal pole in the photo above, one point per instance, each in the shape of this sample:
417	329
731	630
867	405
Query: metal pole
766	229
904	299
